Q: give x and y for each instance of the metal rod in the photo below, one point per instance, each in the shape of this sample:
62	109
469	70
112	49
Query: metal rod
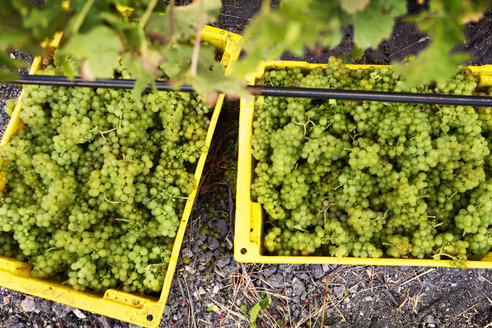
270	91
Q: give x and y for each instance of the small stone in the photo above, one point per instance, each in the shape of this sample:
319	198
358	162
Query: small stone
12	56
276	282
223	262
213	243
325	267
346	300
298	286
60	310
269	271
353	289
206	257
104	321
339	290
189	269
318	272
28	305
201	291
368	299
453	284
429	319
220	226
481	279
7	299
79	314
187	253
215	289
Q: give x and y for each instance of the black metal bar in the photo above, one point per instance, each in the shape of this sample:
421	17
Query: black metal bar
270	91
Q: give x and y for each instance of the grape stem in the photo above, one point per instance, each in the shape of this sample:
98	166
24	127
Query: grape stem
110	201
304	124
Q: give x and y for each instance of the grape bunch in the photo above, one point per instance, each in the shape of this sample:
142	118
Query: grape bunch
373	179
97	182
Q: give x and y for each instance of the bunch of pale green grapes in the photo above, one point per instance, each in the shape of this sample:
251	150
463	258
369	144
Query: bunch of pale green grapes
97	182
373	179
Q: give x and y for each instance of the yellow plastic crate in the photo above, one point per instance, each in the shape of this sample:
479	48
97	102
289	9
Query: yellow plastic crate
140	310
249	215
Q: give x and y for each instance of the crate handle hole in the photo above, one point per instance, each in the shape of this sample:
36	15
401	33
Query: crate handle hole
150	317
244	251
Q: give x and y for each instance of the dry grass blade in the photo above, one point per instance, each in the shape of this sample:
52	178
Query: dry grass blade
324	300
190	301
417	277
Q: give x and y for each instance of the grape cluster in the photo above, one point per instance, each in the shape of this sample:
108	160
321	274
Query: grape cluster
97	182
365	179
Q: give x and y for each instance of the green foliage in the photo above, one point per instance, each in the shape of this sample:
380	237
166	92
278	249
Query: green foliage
255	310
357	53
375	23
153	40
297	24
88	46
443	23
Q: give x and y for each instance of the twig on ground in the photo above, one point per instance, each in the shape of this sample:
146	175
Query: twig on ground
416	277
181	289
461	313
336	307
324	300
190	301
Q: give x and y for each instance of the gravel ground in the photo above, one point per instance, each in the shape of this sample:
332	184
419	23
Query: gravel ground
213	290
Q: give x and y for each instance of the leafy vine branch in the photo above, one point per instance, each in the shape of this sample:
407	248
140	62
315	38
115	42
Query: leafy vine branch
152	38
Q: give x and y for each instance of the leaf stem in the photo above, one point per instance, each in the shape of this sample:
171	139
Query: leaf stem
81	17
171	18
146	14
198	39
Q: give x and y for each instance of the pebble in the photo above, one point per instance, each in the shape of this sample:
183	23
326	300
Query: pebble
104	321
339	290
201	291
79	314
368	299
353	289
317	271
298	286
7	299
206	257
28	305
186	253
213	243
276	282
269	271
215	289
325	267
223	262
429	319
60	310
220	226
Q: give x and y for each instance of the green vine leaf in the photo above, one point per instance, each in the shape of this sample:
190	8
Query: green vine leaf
375	23
353	6
99	48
